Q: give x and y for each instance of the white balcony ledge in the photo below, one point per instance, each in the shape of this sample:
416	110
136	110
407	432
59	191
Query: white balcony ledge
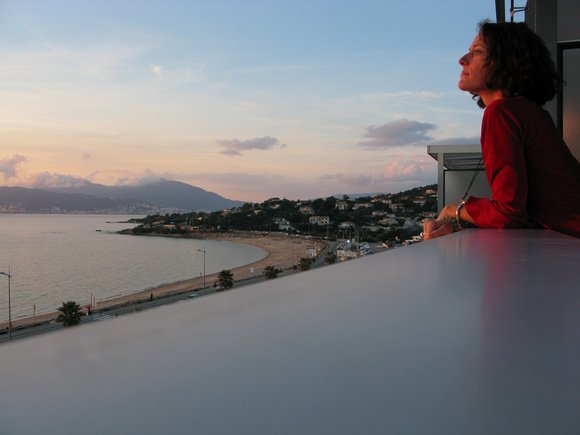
476	332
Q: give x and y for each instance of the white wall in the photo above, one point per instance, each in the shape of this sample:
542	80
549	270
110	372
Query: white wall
556	21
456	183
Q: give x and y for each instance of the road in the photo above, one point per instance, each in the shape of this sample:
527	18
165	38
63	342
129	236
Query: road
23	332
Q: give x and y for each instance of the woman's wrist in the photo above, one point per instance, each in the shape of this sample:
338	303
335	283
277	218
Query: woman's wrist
458	213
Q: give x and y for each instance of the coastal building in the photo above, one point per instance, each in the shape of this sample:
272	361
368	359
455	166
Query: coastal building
319	220
382	199
283	223
311	252
307	210
360	205
346	225
396	206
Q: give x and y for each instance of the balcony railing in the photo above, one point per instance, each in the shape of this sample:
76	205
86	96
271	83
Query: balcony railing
475	332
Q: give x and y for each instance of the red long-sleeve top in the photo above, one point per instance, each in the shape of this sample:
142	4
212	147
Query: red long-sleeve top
534	178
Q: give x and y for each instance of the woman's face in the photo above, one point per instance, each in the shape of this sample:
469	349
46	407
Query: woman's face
474	73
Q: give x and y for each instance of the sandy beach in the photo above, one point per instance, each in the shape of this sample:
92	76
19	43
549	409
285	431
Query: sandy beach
282	252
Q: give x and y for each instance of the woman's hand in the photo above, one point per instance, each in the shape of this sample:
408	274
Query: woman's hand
448	212
436	228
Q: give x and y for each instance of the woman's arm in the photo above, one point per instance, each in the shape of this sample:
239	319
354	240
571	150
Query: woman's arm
450	212
503	148
503	151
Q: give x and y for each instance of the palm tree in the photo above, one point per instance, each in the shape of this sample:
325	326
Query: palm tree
330	258
305	263
70	314
271	272
226	279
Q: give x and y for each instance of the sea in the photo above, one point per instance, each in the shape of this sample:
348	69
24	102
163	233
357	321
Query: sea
57	258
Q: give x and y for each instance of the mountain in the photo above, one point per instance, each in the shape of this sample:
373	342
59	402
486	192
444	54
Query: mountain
22	200
162	196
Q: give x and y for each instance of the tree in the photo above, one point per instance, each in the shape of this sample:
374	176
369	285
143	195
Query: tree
271	272
330	258
70	314
305	263
226	279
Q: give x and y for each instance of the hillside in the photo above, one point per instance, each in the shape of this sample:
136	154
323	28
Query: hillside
389	217
22	200
95	198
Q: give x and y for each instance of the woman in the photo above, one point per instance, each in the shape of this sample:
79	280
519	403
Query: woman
534	178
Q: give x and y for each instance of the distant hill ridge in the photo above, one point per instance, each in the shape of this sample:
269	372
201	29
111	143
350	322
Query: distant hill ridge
165	195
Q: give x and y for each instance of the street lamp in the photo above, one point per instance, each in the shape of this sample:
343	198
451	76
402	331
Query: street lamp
9	306
203	250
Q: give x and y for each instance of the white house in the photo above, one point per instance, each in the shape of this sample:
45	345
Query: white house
283	223
319	220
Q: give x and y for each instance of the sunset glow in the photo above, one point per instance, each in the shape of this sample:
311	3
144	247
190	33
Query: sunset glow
248	99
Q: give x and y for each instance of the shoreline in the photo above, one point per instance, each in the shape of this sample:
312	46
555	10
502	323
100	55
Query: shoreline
282	252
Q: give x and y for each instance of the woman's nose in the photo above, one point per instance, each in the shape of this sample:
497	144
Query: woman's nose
463	60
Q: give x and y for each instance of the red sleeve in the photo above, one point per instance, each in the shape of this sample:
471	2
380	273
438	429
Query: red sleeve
502	145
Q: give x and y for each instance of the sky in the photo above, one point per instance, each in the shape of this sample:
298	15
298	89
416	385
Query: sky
250	99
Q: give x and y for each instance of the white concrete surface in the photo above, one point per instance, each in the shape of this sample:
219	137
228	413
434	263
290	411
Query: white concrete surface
476	332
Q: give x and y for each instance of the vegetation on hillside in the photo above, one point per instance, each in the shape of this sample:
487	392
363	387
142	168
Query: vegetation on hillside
378	218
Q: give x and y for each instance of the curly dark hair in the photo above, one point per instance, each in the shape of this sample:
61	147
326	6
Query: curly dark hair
519	62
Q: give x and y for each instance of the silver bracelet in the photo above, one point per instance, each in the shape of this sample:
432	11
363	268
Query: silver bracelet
458	213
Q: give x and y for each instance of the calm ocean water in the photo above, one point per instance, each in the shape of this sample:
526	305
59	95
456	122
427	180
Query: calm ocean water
56	258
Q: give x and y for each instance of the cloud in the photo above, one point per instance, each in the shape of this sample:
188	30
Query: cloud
55	64
54	180
397	133
349	179
147	177
9	167
237	178
406	169
416	169
234	147
158	70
